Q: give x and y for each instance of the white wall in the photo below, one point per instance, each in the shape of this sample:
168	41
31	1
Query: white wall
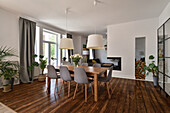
9	34
102	53
78	41
121	43
164	15
9	31
77	44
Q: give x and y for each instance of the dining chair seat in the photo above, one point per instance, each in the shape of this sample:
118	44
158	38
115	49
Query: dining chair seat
103	79
84	64
96	65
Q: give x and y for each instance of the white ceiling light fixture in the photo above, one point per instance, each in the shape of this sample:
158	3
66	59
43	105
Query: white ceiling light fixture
95	41
66	43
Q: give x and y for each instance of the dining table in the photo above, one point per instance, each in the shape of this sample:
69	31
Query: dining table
93	72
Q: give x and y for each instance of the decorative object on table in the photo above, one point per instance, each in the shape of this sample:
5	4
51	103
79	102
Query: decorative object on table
76	58
8	69
42	64
152	68
66	43
95	41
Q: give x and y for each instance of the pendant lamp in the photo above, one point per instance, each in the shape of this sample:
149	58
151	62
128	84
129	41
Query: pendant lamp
66	43
95	41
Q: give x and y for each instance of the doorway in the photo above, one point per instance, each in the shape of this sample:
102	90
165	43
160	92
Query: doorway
50	47
139	57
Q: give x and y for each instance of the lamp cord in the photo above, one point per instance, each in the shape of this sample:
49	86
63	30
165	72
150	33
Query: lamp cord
66	12
95	4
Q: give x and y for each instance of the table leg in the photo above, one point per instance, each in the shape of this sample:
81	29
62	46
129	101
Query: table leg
48	85
105	75
95	87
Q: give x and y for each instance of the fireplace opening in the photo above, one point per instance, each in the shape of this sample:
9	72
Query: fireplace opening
116	62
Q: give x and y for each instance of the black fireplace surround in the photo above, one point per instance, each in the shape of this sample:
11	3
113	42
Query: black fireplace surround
116	63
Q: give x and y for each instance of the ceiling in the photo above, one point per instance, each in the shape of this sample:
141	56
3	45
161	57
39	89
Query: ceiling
83	16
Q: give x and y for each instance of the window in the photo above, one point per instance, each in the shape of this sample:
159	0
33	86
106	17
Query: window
37	43
51	47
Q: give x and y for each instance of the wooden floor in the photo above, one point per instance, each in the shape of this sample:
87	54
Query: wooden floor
128	96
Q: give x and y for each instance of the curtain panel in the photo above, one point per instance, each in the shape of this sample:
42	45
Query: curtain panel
27	30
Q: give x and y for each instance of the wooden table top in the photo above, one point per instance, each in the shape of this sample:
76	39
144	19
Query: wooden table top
88	69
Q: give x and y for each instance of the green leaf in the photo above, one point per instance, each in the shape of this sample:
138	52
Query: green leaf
41	56
34	56
151	57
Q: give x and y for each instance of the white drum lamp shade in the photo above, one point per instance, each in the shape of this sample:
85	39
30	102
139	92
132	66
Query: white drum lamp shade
95	41
66	43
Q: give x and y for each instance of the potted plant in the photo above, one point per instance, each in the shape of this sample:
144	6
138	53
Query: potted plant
152	68
75	58
8	69
42	65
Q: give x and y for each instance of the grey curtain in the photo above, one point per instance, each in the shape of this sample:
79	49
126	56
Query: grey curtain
27	31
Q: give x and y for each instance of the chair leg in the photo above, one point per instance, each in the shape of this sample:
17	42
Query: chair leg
48	84
108	89
75	90
92	88
111	88
56	86
82	87
61	87
69	88
85	93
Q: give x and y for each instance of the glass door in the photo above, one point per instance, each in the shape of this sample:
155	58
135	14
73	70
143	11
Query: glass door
50	47
167	57
161	56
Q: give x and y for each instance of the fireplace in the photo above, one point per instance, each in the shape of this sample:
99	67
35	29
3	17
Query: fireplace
116	61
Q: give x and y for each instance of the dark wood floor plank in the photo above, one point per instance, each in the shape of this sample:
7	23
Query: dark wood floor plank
147	102
139	99
129	96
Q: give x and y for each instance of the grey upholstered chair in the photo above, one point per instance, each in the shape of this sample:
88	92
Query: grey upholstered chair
65	76
84	64
80	77
66	63
107	80
96	65
52	74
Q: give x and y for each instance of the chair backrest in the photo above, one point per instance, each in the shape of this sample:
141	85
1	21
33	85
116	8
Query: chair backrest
66	63
51	71
110	73
96	65
80	76
65	74
84	64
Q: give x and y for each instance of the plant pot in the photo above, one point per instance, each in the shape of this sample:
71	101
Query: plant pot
155	81
12	83
7	88
41	78
6	82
